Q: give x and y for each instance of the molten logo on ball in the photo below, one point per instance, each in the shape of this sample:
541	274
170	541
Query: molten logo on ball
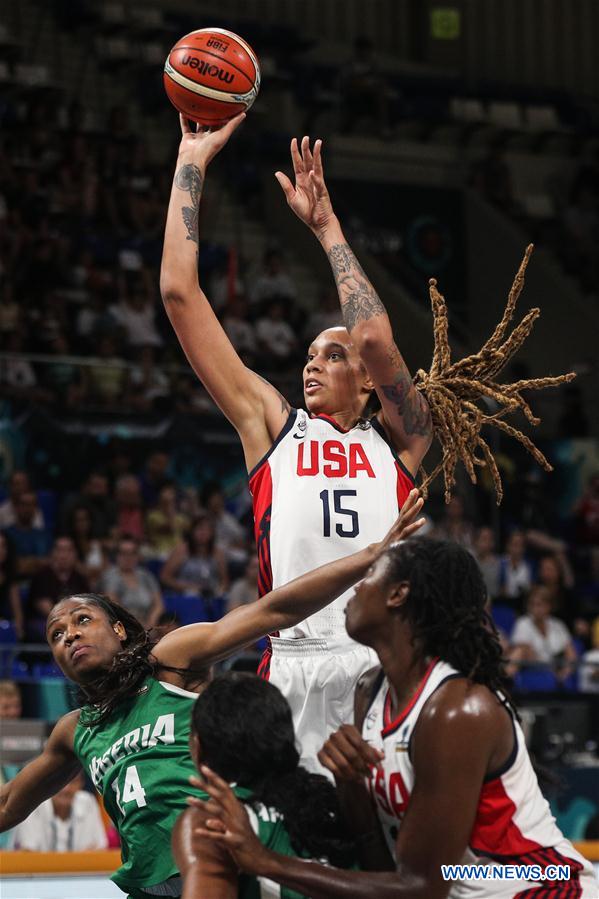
211	75
207	68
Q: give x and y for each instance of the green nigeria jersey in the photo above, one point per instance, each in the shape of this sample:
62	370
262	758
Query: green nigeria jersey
139	760
267	824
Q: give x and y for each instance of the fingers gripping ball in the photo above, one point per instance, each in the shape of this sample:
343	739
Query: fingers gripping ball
211	75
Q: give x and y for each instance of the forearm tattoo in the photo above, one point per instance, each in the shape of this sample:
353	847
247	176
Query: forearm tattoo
189	178
359	299
410	404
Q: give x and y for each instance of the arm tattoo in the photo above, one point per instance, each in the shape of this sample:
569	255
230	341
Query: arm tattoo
285	406
189	178
411	405
359	299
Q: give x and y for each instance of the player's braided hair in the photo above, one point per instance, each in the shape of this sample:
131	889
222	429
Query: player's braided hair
453	390
446	608
246	736
130	666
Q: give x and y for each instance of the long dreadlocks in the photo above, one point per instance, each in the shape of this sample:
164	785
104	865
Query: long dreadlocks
453	390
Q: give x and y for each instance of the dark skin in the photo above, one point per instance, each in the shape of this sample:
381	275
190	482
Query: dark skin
84	643
368	358
207	868
462	734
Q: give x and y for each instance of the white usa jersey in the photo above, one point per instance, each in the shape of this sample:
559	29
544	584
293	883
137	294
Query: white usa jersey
322	493
513	825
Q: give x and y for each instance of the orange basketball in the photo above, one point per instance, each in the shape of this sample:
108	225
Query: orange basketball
211	75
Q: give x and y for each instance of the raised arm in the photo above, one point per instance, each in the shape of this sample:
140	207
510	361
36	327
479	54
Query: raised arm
255	409
203	644
405	412
43	777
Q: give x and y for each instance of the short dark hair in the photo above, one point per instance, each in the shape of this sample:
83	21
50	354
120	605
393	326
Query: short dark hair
246	735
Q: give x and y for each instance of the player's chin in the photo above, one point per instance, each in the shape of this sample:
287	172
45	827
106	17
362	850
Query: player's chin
316	403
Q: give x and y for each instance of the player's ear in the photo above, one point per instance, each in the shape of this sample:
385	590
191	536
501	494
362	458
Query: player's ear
367	382
398	594
119	629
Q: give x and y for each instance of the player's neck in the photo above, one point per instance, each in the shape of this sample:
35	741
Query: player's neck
345	418
404	672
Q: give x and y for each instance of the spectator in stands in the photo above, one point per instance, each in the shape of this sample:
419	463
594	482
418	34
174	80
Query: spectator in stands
168	622
10	599
589	668
11	704
197	566
90	554
149	386
325	315
129	507
244	589
586	513
93	319
63	379
492	177
556	575
240	331
515	571
60	577
541	638
276	337
364	90
230	535
18	483
131	585
68	822
106	381
225	286
573	420
581	223
30	542
135	315
273	283
11	709
18	380
454	525
10	311
488	560
165	524
154	476
95	496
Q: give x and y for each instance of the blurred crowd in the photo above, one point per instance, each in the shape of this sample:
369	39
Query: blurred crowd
81	225
174	555
569	226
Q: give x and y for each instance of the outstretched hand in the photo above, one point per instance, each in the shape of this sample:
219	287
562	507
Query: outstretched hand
227	823
204	143
309	198
407	523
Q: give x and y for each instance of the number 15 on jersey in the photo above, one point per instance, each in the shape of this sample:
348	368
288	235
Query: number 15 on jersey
346	519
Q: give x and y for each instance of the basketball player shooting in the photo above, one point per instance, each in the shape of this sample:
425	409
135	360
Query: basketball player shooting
330	479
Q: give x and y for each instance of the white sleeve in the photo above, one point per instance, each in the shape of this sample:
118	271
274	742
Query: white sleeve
92	834
561	634
31	834
521	632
